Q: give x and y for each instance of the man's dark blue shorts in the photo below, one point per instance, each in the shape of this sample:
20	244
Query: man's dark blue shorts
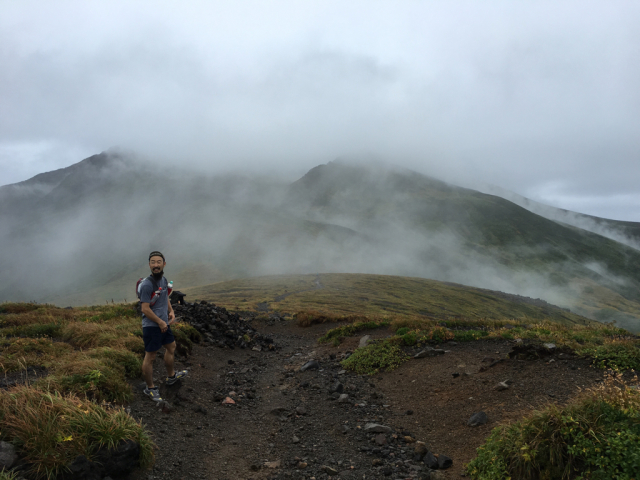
154	338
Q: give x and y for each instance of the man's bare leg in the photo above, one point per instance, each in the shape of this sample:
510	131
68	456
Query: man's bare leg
147	367
168	358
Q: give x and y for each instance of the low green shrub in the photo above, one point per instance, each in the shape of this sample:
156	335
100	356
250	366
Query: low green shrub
617	356
595	437
99	374
111	312
402	331
120	359
410	338
382	355
438	335
103	384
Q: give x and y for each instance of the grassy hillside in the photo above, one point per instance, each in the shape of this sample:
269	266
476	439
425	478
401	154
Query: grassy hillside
374	295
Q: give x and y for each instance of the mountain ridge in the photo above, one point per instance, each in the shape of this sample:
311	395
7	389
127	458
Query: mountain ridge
622	231
92	230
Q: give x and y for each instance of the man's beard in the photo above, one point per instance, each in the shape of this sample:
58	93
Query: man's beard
159	275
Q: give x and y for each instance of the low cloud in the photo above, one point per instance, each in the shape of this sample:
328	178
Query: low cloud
516	95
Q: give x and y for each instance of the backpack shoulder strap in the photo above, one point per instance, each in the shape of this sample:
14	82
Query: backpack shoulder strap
153	282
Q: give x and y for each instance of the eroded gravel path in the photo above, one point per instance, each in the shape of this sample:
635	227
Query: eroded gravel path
286	423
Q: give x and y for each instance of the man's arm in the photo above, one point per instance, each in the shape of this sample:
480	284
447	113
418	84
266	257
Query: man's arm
146	309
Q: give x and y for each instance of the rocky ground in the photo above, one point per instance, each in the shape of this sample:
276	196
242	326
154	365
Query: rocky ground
316	423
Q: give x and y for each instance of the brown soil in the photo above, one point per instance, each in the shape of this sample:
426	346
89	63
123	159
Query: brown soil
202	438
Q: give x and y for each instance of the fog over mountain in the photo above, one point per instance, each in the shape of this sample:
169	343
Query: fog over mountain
539	97
620	231
82	234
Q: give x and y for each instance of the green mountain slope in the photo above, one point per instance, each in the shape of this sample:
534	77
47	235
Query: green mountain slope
618	230
82	235
484	230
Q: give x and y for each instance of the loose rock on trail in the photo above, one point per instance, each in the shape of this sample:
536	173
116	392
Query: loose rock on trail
256	413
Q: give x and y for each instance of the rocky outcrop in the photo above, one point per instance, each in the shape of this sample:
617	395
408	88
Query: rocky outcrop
220	327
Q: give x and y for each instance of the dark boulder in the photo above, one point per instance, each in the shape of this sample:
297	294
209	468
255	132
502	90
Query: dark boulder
444	462
479	418
430	461
115	462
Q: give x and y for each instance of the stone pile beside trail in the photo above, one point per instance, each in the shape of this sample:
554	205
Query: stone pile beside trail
222	328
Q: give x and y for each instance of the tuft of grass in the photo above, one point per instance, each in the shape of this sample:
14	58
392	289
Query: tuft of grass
51	429
186	336
336	335
377	356
114	311
33	330
8	475
123	360
594	437
91	374
18	353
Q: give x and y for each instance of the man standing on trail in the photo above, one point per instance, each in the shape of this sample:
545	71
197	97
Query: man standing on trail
157	317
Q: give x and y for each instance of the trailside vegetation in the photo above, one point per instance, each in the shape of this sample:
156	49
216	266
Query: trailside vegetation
595	437
608	346
87	351
375	357
67	371
52	429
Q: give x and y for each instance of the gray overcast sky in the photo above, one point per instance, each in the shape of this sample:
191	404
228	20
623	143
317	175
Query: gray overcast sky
542	98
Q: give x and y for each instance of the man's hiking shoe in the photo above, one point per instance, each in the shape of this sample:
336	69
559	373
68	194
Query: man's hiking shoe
153	394
176	376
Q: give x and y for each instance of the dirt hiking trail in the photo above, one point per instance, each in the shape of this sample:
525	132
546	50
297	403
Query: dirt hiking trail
316	424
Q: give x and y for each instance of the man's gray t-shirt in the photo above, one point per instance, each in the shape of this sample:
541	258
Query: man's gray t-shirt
160	308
